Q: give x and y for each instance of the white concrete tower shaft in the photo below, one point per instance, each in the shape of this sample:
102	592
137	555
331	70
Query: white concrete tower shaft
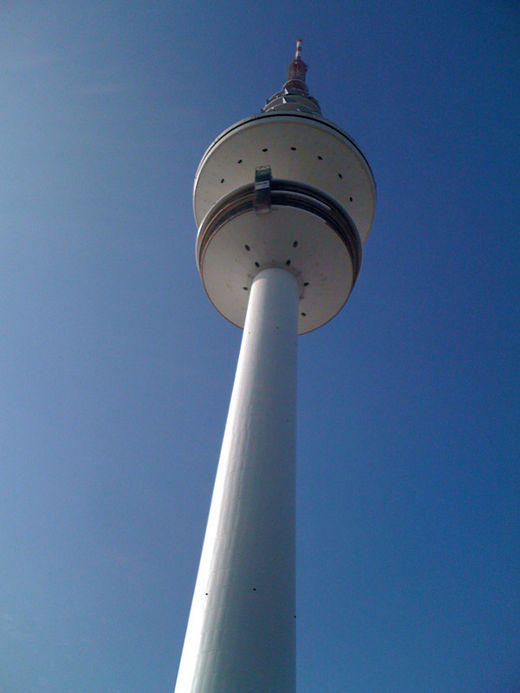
241	630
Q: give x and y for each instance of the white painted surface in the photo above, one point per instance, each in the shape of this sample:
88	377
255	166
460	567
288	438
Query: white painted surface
319	259
304	149
241	630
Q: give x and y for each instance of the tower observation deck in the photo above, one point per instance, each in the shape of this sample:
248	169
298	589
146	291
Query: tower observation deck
283	201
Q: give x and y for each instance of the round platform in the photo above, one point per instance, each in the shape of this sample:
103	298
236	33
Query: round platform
320	211
296	147
304	232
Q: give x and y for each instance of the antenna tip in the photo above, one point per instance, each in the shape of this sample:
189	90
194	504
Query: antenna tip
298	49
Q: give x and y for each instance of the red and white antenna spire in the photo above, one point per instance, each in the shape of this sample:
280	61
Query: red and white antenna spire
294	94
296	73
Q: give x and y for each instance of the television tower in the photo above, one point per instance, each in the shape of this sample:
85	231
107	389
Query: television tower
283	201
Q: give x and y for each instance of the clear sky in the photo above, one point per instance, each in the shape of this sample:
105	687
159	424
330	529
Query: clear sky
116	371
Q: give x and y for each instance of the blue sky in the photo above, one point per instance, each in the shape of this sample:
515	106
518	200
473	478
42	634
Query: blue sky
116	371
